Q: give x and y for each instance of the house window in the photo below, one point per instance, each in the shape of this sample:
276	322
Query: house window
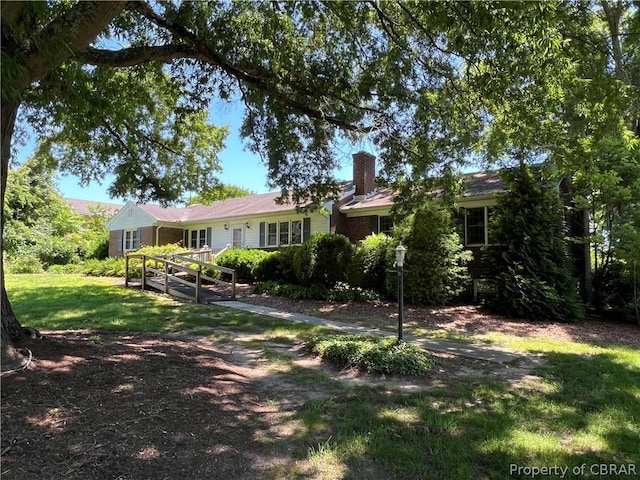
198	238
296	232
284	233
130	240
272	234
386	225
476	226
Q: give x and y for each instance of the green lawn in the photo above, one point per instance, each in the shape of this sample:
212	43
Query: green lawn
582	407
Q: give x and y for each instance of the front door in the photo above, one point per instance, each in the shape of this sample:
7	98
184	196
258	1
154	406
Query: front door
237	237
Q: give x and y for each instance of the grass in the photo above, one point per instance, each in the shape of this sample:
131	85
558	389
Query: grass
581	406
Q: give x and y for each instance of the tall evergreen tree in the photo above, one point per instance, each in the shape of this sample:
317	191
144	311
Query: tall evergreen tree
532	275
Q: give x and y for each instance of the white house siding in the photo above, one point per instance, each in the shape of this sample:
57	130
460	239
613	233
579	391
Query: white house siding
130	217
221	236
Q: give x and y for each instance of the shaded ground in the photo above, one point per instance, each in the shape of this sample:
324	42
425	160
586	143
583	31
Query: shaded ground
137	406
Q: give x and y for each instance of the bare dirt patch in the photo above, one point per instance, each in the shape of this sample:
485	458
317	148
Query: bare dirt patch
139	406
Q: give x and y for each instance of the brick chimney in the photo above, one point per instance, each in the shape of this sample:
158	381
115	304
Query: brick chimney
364	174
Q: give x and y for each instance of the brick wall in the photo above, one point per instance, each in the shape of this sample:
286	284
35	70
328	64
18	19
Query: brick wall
114	248
356	228
147	236
364	173
170	235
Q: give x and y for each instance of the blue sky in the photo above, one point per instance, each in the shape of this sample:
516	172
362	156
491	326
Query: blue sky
240	167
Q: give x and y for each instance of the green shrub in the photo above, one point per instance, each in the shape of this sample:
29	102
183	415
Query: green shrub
532	273
98	248
277	266
341	292
160	250
25	264
56	251
369	268
65	269
109	267
372	354
324	259
242	261
435	263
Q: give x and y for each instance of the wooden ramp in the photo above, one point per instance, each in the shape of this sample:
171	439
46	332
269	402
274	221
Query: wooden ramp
181	275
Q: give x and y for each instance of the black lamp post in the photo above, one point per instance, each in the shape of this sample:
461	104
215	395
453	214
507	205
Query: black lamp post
401	250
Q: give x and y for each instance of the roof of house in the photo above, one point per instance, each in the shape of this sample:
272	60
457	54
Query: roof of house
232	207
476	184
88	207
483	183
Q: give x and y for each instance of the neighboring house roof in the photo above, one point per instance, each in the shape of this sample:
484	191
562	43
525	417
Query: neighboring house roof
85	207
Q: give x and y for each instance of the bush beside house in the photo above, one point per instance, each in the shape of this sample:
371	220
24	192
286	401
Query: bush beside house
532	275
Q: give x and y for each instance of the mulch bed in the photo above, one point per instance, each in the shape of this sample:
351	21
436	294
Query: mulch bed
130	407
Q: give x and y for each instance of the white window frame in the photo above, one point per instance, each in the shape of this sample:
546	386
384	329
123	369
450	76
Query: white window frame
287	240
269	233
485	211
130	240
197	238
298	232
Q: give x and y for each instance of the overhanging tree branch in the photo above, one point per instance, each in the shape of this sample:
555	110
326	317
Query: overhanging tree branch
212	57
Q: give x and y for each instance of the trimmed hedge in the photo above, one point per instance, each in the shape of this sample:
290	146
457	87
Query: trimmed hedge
243	262
324	259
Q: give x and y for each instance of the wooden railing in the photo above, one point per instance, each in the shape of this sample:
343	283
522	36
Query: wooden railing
177	269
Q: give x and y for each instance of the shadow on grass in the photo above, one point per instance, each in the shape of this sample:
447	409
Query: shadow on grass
583	411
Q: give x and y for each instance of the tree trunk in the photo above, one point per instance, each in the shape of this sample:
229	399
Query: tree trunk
11	330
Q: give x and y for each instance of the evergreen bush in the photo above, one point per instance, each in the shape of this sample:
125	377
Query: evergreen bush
242	261
532	276
369	267
277	266
324	259
435	269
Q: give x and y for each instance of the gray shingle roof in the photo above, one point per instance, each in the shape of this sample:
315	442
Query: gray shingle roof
232	207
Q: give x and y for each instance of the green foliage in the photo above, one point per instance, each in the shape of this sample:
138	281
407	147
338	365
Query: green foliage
55	251
109	267
244	262
25	264
532	274
37	219
372	354
341	292
160	250
369	268
67	269
277	266
324	259
435	269
219	192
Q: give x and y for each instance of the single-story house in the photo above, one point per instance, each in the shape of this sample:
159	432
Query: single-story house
257	221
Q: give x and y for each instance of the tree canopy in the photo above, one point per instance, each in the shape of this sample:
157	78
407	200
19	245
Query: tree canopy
124	87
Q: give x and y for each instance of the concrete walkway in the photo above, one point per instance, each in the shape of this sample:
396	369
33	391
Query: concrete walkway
476	352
